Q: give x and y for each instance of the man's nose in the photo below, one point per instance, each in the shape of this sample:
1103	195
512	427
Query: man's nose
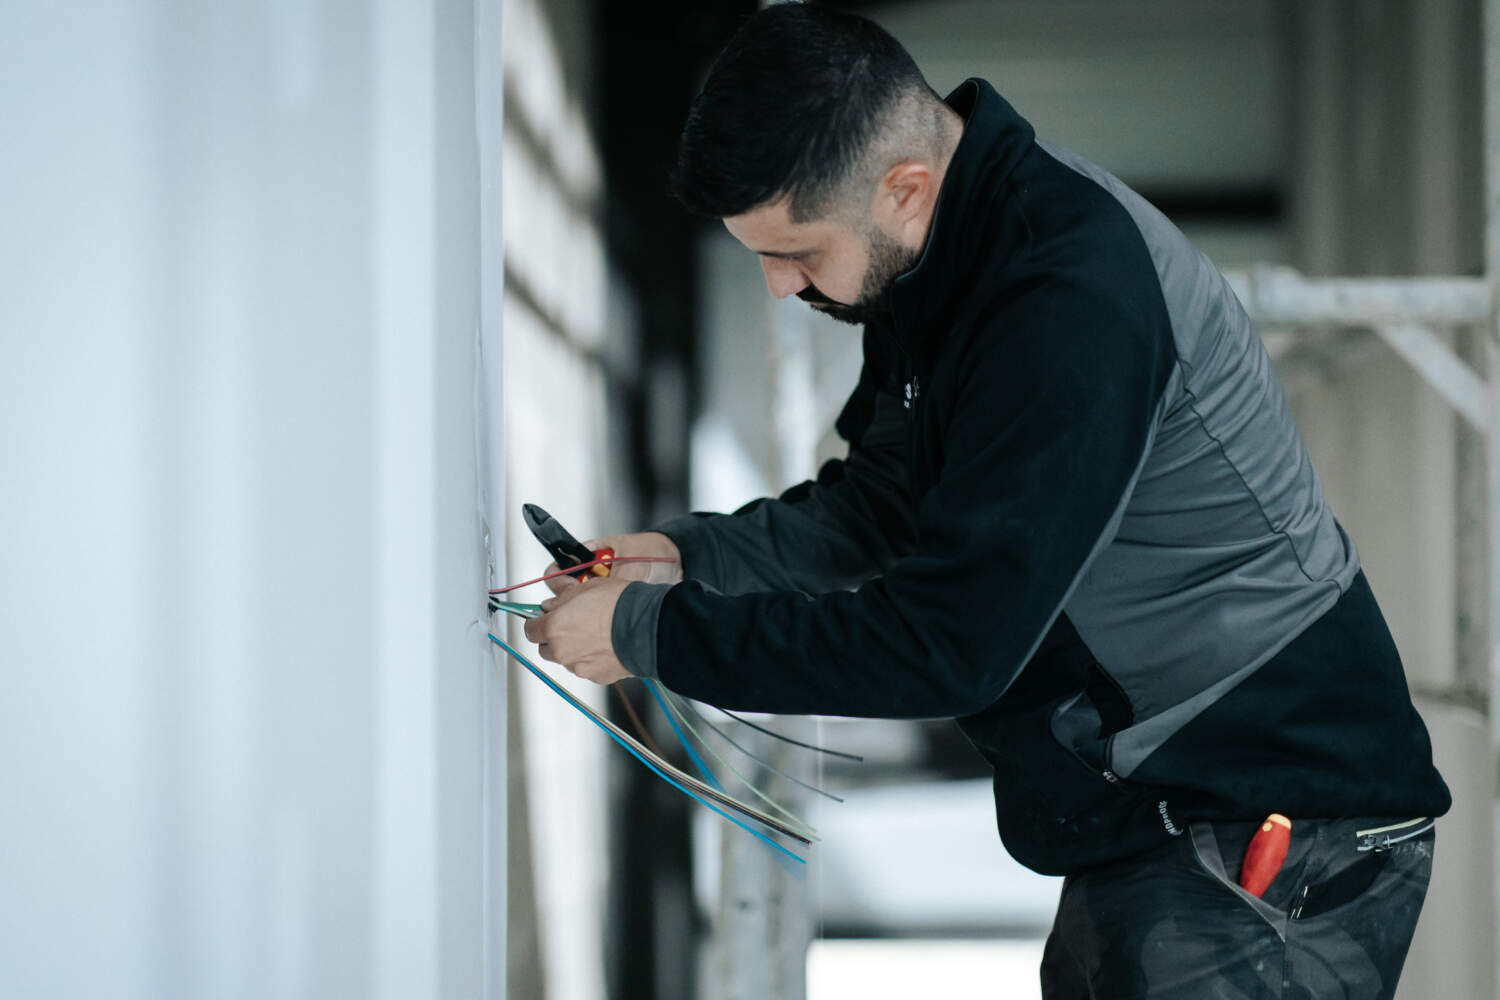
783	277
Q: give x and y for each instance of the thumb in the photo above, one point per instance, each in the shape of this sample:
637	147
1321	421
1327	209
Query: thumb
563	597
558	584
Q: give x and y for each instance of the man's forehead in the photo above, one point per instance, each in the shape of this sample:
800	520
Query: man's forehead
769	231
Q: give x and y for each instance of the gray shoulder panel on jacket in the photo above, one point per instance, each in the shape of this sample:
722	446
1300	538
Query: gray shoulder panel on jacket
1227	550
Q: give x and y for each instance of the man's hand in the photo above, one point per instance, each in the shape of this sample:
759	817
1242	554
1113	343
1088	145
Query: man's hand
642	543
574	629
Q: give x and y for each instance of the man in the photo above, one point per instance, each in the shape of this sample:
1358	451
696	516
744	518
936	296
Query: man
1075	516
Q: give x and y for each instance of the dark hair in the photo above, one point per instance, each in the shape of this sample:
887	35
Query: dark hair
789	108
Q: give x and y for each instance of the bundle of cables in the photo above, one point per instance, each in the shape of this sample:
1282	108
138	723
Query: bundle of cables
707	789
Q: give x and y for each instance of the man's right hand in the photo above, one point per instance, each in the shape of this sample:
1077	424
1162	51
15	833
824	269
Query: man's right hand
642	543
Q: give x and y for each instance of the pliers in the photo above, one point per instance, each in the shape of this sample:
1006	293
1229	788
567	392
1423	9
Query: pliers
567	550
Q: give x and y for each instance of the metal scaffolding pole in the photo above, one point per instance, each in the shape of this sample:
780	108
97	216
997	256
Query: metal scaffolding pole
1279	296
1491	101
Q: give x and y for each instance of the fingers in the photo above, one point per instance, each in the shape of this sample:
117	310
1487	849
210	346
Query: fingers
558	584
562	597
538	630
580	638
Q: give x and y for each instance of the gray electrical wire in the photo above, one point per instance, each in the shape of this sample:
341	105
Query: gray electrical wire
761	760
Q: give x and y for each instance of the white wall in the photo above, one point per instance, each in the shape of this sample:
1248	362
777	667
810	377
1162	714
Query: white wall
249	727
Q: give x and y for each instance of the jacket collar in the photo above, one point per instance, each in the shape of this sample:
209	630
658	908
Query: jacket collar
994	140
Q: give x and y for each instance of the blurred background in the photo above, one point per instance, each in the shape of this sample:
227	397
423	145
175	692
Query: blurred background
301	299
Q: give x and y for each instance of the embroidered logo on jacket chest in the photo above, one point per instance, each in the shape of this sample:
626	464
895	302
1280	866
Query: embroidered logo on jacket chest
913	392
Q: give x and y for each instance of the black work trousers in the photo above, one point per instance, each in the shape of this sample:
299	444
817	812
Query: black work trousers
1173	924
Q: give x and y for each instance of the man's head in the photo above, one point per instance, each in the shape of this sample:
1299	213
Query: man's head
817	141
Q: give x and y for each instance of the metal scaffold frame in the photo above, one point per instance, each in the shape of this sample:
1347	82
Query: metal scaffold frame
1492	272
1410	314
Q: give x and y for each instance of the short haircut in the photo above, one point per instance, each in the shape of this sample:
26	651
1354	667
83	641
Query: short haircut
792	107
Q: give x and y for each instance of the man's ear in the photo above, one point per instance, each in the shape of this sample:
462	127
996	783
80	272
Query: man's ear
904	202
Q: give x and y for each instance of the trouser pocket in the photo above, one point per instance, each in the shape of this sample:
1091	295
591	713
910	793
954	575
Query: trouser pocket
1211	860
1357	906
1360	858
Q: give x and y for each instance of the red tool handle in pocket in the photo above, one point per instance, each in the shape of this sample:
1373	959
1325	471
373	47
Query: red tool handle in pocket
1266	853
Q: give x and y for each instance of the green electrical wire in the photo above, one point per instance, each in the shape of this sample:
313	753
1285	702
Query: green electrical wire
516	608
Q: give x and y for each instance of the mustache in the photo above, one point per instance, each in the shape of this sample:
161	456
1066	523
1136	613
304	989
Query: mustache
811	294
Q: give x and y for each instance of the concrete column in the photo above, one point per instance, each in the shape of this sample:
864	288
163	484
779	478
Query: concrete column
764	921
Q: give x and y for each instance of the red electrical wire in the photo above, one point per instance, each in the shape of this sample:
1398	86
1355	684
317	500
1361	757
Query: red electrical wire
606	561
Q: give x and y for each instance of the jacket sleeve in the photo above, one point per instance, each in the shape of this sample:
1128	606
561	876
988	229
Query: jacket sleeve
1047	427
846	527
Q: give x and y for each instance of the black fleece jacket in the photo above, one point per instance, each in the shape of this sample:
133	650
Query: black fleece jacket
994	542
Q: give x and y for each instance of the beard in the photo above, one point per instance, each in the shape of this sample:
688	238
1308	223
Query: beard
888	261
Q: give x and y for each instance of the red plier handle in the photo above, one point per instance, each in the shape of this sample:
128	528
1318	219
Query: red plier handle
601	568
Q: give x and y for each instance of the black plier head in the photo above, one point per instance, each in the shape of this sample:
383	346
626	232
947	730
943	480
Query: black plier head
567	550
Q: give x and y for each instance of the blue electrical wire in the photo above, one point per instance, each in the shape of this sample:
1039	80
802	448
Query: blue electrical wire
568	697
708	776
674	704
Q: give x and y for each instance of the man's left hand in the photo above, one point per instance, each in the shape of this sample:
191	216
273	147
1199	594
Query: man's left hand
574	630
